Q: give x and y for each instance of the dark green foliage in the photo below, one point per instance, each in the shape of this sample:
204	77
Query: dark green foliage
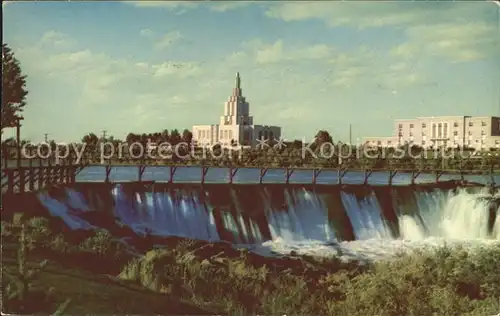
445	282
18	294
13	88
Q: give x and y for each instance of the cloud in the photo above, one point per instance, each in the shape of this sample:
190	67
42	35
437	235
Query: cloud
169	39
441	29
163	4
345	69
229	5
277	53
281	80
221	6
146	33
465	42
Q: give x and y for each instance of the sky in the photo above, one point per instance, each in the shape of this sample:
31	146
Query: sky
146	66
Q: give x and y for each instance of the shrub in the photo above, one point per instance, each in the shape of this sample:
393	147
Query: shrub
447	281
100	244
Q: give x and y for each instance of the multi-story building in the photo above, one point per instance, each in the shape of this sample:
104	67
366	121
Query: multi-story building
478	132
236	126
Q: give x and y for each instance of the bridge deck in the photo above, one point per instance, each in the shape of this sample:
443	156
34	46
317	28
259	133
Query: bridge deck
32	178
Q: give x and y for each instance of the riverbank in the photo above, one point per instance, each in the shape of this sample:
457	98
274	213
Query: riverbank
184	276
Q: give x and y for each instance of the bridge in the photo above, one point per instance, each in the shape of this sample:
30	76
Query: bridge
36	174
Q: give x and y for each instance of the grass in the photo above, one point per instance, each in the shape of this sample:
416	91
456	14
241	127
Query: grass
97	274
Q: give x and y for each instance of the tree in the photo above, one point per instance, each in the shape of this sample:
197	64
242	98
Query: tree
187	136
13	88
322	137
175	137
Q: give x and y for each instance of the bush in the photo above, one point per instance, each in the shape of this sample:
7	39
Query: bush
442	282
101	243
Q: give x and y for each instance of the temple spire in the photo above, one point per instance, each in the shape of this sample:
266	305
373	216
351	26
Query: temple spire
238	81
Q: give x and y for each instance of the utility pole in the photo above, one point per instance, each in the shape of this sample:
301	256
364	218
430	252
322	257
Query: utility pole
104	134
46	137
350	135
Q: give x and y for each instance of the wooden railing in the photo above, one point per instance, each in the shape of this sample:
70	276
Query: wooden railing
39	173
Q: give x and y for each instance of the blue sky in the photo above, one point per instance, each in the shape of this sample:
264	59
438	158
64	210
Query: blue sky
145	66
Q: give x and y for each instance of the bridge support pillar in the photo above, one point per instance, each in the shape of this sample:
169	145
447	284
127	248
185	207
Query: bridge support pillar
263	172
204	171
392	174
232	173
48	174
22	179
438	175
173	169
341	172
108	173
141	173
288	174
414	176
32	174
41	174
10	180
368	173
62	172
316	173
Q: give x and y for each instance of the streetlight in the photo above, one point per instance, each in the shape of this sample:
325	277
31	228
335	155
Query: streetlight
18	120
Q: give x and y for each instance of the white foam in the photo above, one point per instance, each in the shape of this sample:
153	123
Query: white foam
364	250
438	218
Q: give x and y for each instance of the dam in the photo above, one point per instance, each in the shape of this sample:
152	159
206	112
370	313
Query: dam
357	220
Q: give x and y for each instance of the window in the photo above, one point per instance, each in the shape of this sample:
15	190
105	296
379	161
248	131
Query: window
411	125
483	123
455	124
455	133
379	143
483	133
470	133
424	125
411	134
400	126
471	124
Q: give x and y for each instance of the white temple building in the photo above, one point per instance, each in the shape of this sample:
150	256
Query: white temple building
236	127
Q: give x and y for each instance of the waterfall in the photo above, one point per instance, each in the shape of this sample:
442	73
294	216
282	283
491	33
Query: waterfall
297	217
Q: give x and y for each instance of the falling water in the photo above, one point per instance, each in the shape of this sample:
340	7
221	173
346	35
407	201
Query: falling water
297	219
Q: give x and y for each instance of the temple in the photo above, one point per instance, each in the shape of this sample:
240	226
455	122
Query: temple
236	127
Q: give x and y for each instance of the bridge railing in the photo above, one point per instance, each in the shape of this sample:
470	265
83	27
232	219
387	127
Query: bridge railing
341	173
35	174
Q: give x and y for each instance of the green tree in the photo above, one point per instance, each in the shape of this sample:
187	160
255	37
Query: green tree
13	88
187	136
